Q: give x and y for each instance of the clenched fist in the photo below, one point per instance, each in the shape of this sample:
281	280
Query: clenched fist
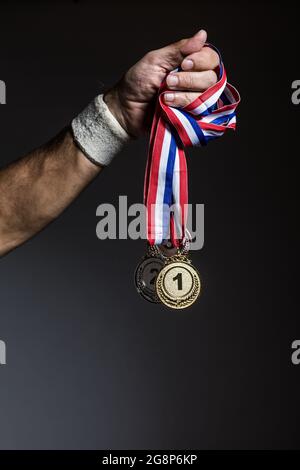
131	100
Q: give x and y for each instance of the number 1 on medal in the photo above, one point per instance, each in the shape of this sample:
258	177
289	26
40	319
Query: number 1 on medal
178	278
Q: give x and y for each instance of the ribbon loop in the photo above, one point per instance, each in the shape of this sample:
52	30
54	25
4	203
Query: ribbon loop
208	117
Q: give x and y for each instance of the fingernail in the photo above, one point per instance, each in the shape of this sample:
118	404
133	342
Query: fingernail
202	32
187	64
169	96
172	80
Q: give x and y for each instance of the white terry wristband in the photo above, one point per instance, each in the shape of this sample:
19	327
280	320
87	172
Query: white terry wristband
98	133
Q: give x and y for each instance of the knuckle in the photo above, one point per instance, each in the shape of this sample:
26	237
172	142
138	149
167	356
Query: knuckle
212	58
188	80
185	99
208	59
211	78
176	101
206	53
202	61
151	56
181	43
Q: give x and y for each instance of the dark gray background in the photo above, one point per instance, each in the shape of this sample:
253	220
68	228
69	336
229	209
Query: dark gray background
89	363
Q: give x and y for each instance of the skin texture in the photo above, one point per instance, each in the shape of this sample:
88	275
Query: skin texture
37	188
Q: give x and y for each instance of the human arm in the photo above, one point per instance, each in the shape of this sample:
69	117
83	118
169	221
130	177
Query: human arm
37	188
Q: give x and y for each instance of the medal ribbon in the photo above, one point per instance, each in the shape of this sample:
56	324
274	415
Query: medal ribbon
166	184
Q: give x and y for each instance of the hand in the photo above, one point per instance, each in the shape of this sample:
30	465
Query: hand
132	99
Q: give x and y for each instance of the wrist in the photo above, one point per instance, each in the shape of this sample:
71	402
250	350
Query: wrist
98	132
112	99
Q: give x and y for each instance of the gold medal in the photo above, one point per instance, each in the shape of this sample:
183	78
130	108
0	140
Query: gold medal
178	284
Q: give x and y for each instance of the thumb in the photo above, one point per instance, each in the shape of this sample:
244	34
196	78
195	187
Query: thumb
195	43
171	56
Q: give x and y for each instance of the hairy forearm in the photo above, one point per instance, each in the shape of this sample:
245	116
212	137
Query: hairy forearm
37	188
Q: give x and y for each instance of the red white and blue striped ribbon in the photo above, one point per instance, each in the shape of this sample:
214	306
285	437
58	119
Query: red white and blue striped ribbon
166	184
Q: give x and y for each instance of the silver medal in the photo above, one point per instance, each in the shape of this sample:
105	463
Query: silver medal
146	273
